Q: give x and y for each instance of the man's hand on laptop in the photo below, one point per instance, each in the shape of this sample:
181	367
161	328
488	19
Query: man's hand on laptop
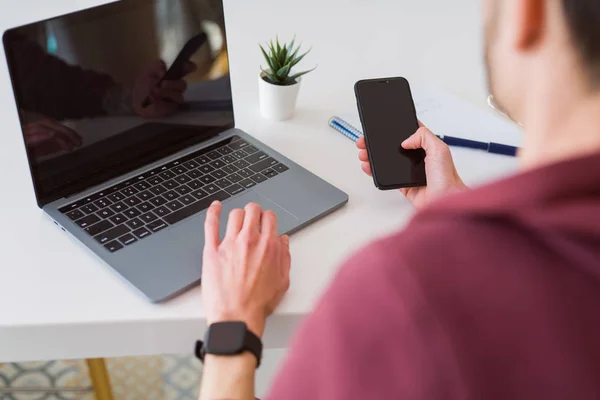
442	177
163	100
245	275
47	137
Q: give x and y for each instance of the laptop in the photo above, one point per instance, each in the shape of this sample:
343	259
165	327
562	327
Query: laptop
129	169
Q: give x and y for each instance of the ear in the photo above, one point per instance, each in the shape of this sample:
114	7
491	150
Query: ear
531	20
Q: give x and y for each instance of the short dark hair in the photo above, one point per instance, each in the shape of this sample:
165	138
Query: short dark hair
583	19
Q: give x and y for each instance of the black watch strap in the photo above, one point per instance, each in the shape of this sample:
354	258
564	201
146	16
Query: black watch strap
251	343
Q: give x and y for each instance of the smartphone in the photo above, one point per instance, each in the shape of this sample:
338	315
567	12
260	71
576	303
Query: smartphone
177	69
388	117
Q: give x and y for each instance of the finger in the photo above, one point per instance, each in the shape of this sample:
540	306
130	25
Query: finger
156	69
268	224
37	136
168	95
189	68
361	144
235	222
422	139
64	144
175	86
211	225
366	167
68	133
404	191
421	125
286	258
252	217
363	156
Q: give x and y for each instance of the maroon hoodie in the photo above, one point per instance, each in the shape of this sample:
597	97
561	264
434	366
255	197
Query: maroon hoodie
489	294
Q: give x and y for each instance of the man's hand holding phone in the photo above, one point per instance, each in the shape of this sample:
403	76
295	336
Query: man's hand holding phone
442	177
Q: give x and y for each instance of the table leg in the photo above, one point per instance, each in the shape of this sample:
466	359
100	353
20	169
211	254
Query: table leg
100	378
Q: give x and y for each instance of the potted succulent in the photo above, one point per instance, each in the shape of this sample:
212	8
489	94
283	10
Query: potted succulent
278	85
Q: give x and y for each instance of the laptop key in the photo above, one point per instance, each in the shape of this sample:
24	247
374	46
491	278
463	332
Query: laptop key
129	191
202	160
112	234
145	207
174	205
159	189
162	211
250	149
219	174
191	164
132	212
200	194
229	159
113	246
128	239
146	195
213	155
89	208
134	223
235	178
241	164
132	201
196	207
194	174
239	154
183	179
171	195
167	175
118	219
142	233
222	183
115	197
148	217
280	168
245	173
155	180
235	189
225	150
247	183
258	178
206	179
171	184
142	186
183	189
75	214
206	169
87	221
269	172
157	225
195	184
187	199
217	164
99	227
266	163
212	188
230	169
104	202
238	145
105	213
178	170
158	201
119	207
256	157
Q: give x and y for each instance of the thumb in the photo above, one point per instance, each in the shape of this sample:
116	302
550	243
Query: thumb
286	258
422	139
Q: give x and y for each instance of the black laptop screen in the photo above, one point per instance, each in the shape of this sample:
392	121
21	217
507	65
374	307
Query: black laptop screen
101	92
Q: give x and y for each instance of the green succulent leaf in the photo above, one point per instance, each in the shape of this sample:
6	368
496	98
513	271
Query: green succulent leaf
299	74
283	72
280	60
298	59
267	58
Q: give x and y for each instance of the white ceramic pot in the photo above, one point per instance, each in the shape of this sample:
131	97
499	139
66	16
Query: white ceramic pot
277	103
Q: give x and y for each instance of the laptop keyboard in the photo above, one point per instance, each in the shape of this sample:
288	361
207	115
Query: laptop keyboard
139	207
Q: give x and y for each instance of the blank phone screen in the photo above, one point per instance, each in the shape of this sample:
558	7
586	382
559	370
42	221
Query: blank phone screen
388	118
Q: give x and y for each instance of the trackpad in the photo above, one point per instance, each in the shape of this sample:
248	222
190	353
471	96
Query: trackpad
285	220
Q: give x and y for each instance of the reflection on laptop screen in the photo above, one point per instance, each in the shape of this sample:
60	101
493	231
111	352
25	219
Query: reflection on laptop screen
90	93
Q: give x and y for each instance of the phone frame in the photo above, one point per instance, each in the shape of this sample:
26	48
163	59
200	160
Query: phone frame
366	136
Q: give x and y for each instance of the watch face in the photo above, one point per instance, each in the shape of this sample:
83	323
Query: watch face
226	338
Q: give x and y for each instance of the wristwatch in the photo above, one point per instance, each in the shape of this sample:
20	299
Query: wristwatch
229	339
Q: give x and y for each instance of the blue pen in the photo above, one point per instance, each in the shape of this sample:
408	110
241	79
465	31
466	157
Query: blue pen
490	147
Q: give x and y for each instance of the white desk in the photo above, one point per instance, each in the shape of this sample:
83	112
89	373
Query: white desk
57	301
